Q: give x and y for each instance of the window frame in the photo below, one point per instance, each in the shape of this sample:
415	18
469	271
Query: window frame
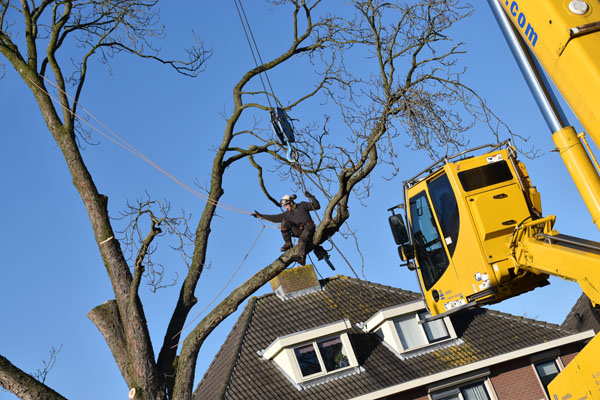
539	360
383	323
445	206
282	352
457	389
422	332
430	249
473	179
316	348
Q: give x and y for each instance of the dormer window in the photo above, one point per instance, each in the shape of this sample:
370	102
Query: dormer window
413	332
326	355
405	329
310	357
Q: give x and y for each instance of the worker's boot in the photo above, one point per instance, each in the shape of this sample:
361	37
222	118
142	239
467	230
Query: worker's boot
286	246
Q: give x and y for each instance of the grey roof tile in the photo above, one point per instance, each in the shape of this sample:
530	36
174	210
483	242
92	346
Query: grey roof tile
238	372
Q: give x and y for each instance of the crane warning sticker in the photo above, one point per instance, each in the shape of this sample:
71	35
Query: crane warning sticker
483	279
451	304
493	159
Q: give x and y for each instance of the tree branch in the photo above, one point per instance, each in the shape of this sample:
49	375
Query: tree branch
23	385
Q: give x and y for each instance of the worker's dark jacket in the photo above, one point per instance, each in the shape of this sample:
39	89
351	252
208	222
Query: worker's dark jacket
297	215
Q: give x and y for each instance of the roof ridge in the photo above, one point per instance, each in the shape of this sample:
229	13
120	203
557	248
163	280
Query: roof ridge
532	321
573	311
243	323
251	306
376	285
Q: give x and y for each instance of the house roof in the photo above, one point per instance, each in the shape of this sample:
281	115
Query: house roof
239	372
583	316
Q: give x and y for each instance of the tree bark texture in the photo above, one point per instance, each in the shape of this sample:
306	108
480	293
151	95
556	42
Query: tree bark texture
24	385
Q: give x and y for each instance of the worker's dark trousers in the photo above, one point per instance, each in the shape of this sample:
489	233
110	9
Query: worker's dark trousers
289	229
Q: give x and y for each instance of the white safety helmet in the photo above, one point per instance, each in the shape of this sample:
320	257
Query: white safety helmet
286	199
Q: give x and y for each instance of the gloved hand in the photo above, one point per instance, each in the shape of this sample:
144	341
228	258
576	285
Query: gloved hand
308	194
255	214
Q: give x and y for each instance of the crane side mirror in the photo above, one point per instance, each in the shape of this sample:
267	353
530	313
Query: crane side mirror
406	252
398	229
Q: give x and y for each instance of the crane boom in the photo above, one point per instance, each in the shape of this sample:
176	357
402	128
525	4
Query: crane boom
475	225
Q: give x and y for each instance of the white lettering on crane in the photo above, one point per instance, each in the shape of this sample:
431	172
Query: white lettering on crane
521	20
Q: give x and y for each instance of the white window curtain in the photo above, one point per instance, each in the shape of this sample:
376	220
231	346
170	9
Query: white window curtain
435	330
409	331
452	394
547	371
449	397
547	368
475	392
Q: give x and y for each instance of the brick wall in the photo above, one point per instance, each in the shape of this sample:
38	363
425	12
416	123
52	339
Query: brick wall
512	380
517	380
568	353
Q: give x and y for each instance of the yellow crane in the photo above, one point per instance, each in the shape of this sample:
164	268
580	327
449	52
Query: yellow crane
476	233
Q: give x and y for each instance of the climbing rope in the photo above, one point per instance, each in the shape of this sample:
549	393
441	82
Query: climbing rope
301	174
222	290
372	294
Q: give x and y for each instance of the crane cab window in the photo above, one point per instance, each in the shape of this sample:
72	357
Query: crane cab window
446	209
429	250
485	175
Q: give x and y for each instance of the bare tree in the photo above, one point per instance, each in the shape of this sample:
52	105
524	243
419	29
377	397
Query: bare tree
412	88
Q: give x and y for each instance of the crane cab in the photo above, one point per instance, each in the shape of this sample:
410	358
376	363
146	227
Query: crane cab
461	215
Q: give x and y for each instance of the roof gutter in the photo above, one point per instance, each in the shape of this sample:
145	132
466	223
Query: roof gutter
475	366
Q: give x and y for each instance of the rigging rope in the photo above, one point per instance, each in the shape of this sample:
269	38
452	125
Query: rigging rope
122	143
280	122
254	48
333	303
125	145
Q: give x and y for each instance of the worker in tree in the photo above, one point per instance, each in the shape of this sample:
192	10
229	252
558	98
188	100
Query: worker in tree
295	221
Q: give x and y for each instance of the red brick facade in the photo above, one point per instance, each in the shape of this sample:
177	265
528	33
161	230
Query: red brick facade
517	380
569	353
511	380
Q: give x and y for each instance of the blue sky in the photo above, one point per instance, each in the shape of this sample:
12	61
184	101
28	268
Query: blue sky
52	274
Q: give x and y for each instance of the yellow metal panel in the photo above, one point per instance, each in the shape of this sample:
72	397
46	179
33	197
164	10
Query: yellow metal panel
497	212
574	260
567	45
449	285
581	378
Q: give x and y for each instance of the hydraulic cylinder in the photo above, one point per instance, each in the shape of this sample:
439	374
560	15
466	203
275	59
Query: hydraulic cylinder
581	169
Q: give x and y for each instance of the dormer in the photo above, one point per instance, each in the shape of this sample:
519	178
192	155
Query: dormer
314	356
404	329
